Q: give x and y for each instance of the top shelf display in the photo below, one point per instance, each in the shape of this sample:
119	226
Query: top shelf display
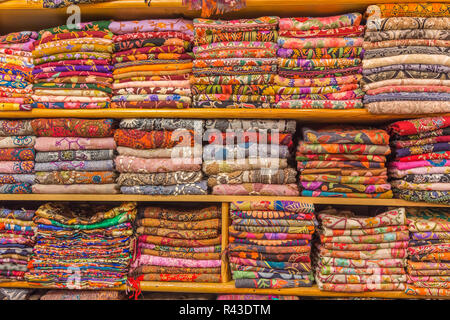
34	17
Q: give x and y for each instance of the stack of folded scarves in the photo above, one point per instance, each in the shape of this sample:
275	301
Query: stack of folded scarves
250	157
160	156
16	70
235	63
82	246
177	244
17	232
429	251
407	59
320	63
344	161
361	253
17	156
152	63
73	67
270	244
420	170
74	156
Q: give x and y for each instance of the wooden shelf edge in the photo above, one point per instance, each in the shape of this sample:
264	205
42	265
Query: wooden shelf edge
212	198
306	115
229	288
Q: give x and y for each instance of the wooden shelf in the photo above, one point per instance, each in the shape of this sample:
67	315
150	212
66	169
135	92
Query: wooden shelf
302	115
229	288
212	198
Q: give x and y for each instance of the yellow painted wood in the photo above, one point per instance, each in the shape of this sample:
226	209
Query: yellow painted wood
229	288
225	272
211	198
18	15
302	115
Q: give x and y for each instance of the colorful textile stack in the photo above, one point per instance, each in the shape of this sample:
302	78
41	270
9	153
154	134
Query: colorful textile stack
344	161
360	253
160	156
250	157
320	63
429	251
152	63
406	64
270	244
16	67
178	244
420	170
16	156
74	156
235	63
82	246
73	67
17	232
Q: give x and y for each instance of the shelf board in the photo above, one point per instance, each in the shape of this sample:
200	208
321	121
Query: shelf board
303	115
18	15
211	198
229	288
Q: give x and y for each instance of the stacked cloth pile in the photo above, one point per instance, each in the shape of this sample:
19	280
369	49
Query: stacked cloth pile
320	62
250	157
270	244
360	253
17	232
235	63
178	244
344	161
406	64
16	67
152	63
73	67
160	156
17	156
74	156
82	246
420	170
429	251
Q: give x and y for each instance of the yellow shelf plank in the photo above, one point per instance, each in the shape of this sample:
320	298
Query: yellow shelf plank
211	198
229	288
305	115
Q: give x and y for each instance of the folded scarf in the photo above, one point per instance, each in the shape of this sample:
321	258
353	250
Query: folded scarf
343	179
76	177
75	188
153	139
101	165
162	179
217	166
74	155
283	176
256	189
141	165
345	188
